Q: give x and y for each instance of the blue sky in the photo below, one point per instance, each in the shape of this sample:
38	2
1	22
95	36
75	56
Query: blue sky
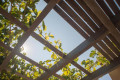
62	31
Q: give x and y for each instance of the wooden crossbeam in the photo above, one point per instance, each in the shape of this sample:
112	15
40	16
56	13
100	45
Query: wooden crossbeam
103	18
74	54
73	24
28	59
104	70
114	18
79	10
40	39
118	2
23	76
20	75
25	36
113	6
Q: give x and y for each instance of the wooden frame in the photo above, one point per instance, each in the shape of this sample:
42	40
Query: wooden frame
102	31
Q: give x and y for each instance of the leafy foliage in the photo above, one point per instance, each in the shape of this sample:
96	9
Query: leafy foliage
26	12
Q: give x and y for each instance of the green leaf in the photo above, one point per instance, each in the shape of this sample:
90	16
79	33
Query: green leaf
56	46
46	36
51	36
83	62
55	41
93	53
45	48
1	17
49	49
60	45
22	5
48	61
30	21
43	25
76	59
36	74
54	56
39	13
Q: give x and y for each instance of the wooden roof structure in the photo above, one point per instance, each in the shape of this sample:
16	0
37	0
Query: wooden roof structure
97	22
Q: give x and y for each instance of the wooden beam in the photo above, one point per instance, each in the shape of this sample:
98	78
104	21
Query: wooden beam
113	6
40	39
74	54
25	36
20	75
104	70
105	8
76	27
80	11
114	18
28	59
115	74
103	18
98	22
75	17
74	5
118	2
23	76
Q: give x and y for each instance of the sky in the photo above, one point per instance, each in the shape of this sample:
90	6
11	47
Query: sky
62	31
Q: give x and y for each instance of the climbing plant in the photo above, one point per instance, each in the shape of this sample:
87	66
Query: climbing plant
25	11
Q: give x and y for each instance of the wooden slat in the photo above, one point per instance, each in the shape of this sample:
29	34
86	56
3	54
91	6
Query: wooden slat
106	55
114	18
37	37
113	6
29	60
70	21
118	1
20	75
118	26
106	49
94	17
58	76
57	8
103	18
73	15
81	13
105	8
62	14
23	76
79	10
88	10
114	41
25	36
112	47
104	70
74	54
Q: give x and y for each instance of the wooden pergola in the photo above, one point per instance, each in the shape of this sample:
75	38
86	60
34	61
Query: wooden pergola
99	25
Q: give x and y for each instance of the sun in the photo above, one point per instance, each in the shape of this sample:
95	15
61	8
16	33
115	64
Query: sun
25	48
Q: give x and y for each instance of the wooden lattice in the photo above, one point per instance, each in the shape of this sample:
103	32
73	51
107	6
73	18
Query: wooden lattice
103	29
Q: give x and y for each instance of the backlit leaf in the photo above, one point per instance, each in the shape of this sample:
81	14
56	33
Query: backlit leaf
54	56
